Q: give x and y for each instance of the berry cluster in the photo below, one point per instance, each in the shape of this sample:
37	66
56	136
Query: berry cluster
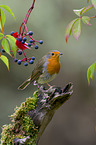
21	40
22	44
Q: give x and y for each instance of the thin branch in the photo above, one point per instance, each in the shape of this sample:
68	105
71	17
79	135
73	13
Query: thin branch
26	17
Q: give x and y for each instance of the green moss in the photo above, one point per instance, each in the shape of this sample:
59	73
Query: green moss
7	138
26	106
29	126
35	94
22	123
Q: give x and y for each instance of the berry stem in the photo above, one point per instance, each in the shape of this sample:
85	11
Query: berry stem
24	53
23	59
25	27
20	29
27	16
32	39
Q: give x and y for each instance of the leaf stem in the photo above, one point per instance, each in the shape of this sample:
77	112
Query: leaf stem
2	32
93	17
1	25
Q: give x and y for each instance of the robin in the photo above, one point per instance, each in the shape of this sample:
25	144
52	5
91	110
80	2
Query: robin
45	70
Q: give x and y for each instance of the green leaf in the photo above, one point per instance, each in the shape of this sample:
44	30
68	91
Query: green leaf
2	17
77	28
78	12
5	45
86	20
94	3
12	41
68	30
5	60
82	10
7	9
90	72
87	9
1	36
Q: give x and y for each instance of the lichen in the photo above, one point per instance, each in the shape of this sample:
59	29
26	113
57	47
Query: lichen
22	123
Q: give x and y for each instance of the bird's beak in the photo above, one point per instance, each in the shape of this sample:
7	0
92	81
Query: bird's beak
61	53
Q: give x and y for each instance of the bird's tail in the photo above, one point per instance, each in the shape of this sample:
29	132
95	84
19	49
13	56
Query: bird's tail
24	84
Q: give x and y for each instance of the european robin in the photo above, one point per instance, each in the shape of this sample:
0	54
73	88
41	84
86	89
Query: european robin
45	70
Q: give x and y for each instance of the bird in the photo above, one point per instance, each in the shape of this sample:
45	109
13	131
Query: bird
45	70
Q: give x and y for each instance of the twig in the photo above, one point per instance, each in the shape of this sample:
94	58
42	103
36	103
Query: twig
27	16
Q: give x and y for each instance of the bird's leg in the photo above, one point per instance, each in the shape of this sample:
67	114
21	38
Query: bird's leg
48	85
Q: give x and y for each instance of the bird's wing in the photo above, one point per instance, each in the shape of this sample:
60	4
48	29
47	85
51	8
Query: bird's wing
38	69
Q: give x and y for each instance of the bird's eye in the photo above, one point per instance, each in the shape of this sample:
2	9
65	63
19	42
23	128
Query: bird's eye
52	53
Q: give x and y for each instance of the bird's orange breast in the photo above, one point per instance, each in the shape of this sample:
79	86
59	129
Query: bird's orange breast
53	66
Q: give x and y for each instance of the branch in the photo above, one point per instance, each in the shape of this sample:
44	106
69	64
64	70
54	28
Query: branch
32	117
26	18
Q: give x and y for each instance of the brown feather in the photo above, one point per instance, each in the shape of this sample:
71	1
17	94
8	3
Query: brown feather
38	69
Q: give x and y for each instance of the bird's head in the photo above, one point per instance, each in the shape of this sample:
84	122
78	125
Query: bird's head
54	54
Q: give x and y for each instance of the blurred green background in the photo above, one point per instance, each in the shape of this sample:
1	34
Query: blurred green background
74	122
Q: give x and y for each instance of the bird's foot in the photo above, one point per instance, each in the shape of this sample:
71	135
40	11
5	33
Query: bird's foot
36	84
50	85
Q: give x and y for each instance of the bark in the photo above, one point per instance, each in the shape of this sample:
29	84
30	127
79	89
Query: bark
33	116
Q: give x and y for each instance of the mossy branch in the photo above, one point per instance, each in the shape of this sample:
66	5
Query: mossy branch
32	117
